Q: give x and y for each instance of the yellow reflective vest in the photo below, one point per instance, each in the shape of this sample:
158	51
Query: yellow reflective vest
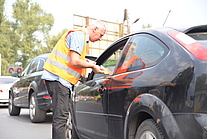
58	61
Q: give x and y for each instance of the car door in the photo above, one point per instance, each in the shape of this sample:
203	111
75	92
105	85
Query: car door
91	97
26	81
18	88
131	77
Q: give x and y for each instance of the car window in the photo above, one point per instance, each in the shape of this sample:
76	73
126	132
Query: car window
40	65
33	66
141	51
26	69
110	58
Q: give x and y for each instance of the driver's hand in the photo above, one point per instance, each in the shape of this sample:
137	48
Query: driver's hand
98	69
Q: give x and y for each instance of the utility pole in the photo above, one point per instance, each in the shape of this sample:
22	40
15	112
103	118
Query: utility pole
0	64
126	18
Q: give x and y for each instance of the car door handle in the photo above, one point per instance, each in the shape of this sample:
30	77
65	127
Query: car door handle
102	90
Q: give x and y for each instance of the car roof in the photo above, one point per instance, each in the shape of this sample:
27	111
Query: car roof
192	29
184	29
42	56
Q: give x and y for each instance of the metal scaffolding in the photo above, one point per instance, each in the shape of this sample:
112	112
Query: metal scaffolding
114	32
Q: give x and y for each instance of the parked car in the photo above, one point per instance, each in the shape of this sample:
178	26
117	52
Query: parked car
31	92
5	83
154	86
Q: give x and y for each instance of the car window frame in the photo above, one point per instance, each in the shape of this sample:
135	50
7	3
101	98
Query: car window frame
154	40
38	66
25	71
34	61
105	55
100	60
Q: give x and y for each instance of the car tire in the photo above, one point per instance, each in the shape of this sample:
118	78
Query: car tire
13	110
70	130
149	129
36	115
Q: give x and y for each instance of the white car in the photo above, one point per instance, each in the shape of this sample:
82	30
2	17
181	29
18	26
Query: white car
5	83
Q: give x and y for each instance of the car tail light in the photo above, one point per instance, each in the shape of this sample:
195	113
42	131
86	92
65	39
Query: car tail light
1	91
190	44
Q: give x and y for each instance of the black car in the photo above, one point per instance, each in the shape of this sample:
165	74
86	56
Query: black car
154	86
31	92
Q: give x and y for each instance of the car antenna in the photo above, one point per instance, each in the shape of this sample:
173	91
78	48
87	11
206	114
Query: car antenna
166	17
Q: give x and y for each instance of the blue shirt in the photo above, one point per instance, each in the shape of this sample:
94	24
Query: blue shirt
74	41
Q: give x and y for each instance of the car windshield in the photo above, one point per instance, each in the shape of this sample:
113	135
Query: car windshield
7	80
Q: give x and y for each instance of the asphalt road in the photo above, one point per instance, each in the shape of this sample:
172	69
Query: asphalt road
20	127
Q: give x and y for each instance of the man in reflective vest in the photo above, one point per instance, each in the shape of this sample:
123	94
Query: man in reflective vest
64	67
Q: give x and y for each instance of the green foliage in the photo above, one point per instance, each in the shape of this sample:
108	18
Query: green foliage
7	51
25	36
30	24
50	43
110	63
2	10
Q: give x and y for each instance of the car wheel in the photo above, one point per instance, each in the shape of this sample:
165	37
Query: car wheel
36	115
13	110
70	131
149	130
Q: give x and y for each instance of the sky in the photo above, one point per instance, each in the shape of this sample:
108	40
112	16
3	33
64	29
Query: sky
153	12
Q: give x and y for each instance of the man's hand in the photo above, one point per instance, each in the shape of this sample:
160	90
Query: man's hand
98	69
77	62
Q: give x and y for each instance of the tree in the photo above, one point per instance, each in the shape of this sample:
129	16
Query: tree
31	24
2	10
8	53
50	42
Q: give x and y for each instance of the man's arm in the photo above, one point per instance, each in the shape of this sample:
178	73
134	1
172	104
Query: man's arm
79	63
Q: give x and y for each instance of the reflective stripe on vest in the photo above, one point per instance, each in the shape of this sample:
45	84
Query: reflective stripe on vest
60	54
63	67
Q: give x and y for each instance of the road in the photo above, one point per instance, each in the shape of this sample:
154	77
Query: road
20	127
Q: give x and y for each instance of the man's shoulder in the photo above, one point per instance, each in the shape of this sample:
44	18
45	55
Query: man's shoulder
77	33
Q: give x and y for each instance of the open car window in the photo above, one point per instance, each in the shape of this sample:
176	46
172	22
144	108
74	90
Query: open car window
109	59
112	61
